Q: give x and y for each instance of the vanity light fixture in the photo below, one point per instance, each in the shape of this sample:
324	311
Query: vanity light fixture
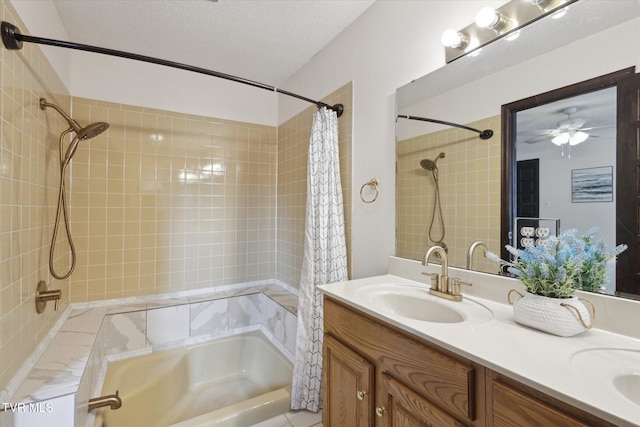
493	24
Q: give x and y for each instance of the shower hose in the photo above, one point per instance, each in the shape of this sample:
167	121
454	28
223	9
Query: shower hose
62	210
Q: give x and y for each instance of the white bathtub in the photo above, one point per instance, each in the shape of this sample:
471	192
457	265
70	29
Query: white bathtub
236	381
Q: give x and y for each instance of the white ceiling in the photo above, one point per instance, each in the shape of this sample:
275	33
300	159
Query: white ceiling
262	40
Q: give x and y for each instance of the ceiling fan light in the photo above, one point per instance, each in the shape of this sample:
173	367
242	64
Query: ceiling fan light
561	139
578	137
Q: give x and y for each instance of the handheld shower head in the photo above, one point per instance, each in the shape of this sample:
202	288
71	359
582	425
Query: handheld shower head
430	165
90	131
82	133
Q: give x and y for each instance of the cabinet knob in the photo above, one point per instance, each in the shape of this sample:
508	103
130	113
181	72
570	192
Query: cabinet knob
361	395
380	410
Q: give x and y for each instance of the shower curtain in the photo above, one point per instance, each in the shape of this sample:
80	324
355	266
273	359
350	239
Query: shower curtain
325	257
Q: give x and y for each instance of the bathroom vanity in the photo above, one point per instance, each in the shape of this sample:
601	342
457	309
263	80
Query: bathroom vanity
384	365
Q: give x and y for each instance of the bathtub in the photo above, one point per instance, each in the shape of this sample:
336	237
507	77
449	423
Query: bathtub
228	382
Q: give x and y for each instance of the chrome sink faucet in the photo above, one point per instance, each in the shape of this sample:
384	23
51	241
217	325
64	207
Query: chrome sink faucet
442	286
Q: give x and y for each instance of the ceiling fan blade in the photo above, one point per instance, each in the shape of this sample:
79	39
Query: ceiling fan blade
537	139
597	127
551	132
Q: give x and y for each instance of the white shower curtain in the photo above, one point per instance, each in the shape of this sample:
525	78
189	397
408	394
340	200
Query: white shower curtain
325	257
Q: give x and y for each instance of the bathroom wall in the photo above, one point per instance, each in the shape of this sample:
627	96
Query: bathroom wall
293	146
469	179
391	44
29	177
167	201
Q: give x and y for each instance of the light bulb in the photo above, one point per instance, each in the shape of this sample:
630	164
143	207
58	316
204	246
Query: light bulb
486	17
561	139
578	137
453	38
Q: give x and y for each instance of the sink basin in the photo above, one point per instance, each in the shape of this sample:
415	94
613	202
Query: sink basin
629	386
416	307
415	302
616	366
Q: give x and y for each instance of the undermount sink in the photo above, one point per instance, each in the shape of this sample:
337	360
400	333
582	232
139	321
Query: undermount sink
616	366
414	302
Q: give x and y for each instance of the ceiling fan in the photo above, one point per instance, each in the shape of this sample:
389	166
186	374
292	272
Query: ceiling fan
569	131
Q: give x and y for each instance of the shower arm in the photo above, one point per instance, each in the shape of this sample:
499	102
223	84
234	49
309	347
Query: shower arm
13	39
484	134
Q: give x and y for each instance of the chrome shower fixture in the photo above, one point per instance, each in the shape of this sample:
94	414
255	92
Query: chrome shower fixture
82	133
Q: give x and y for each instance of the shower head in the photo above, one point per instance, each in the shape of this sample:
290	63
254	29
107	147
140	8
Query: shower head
92	130
82	133
430	165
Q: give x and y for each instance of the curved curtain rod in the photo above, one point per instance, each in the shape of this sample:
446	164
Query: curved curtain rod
12	39
484	134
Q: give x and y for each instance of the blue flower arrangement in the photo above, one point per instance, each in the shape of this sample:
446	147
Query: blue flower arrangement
559	265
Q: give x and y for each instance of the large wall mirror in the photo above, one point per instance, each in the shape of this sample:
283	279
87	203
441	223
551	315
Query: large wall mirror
454	188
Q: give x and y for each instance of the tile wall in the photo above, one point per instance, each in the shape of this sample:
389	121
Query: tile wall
165	202
293	145
29	177
469	177
161	202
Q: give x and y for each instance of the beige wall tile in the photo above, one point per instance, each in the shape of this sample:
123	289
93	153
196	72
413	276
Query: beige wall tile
293	144
469	179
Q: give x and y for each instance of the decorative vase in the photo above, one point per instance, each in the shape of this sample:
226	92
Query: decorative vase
564	317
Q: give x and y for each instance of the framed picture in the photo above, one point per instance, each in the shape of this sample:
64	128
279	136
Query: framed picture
592	185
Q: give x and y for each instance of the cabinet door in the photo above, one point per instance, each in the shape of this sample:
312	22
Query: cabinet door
347	387
399	406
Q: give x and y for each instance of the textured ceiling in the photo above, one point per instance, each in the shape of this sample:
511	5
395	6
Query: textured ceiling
262	40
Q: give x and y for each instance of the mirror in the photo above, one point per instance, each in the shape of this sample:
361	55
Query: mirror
593	39
563	161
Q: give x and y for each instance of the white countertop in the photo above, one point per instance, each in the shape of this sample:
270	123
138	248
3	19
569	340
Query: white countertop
535	358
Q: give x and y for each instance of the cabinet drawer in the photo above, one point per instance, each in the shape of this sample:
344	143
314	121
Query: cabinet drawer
406	408
446	381
515	404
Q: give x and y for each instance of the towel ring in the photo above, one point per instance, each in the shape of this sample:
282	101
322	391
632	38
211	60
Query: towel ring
373	183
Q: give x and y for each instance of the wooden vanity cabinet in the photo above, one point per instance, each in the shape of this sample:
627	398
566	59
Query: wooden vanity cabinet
402	381
377	375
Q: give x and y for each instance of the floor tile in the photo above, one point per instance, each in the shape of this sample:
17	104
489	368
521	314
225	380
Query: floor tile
304	418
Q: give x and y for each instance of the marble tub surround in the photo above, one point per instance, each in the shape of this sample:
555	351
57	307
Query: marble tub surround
537	359
73	362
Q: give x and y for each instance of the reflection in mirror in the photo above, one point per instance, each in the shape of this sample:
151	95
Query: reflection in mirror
563	158
593	39
565	167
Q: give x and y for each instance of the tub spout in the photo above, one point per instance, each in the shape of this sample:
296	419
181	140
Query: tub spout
111	400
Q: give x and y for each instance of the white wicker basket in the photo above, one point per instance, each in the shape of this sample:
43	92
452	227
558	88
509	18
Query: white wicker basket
564	317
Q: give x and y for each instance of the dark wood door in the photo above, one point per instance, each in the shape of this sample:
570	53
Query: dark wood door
627	191
528	196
